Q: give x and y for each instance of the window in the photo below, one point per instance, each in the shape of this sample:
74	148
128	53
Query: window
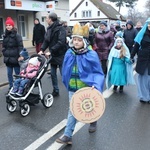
1	28
86	14
86	3
75	15
22	26
98	13
83	14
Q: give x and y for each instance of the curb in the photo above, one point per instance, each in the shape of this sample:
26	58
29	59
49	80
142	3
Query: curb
3	84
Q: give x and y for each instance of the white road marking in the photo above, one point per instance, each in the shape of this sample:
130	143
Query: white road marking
47	136
56	146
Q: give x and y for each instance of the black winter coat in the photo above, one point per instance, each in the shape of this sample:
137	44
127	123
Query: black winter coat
55	39
129	35
143	51
38	33
12	45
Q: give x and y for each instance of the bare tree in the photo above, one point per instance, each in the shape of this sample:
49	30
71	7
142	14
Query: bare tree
135	15
126	3
147	8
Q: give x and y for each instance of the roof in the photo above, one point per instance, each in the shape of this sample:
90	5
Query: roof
107	9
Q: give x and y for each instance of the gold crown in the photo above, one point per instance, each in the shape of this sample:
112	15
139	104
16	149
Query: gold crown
80	30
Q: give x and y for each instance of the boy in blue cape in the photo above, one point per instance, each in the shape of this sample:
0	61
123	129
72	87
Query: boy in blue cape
81	68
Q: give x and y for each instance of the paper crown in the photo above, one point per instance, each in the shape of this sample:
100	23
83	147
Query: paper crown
80	30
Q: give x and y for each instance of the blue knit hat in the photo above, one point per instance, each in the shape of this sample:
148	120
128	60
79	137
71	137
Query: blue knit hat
118	22
24	54
119	34
104	23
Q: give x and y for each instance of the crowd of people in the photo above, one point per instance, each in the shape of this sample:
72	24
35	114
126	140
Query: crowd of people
85	56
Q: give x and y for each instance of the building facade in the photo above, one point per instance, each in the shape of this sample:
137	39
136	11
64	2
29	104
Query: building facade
23	13
94	11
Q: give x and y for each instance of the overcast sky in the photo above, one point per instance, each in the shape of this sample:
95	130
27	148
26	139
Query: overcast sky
140	5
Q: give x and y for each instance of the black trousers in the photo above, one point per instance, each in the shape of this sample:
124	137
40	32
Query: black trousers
104	66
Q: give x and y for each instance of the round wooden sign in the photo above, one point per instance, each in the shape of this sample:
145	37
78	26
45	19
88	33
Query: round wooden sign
87	105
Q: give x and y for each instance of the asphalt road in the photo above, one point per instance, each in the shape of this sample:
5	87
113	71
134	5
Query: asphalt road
125	124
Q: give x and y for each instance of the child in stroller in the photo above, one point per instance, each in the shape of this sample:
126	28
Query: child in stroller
25	75
28	97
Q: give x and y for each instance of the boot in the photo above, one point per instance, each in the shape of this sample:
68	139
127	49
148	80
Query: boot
92	127
115	88
121	89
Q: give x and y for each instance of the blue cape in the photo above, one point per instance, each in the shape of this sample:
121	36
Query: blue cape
89	67
140	35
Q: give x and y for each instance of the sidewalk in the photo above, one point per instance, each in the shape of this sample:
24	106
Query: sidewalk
3	71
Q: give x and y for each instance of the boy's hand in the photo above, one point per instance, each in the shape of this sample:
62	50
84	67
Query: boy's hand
92	87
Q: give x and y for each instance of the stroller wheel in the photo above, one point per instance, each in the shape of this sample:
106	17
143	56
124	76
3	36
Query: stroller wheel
12	106
25	109
47	100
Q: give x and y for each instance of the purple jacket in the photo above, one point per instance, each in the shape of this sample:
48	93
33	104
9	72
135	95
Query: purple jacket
104	41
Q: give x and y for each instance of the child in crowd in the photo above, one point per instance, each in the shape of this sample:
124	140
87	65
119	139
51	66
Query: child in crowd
119	34
81	68
23	59
28	73
120	71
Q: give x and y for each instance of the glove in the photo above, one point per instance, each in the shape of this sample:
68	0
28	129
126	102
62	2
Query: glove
33	43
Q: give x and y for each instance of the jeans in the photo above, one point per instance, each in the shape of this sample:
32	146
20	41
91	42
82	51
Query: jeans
71	121
54	76
20	83
10	74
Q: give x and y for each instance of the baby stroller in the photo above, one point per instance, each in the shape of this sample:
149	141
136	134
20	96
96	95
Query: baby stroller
29	98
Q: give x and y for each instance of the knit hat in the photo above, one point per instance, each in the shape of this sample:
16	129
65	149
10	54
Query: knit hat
24	54
104	23
34	61
9	21
119	34
118	22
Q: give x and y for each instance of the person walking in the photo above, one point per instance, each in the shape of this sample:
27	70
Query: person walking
38	34
104	40
120	71
81	68
138	26
11	47
67	28
55	39
142	49
129	34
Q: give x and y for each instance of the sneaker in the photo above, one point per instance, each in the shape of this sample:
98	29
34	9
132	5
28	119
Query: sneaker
92	127
13	91
19	93
54	93
64	140
143	101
